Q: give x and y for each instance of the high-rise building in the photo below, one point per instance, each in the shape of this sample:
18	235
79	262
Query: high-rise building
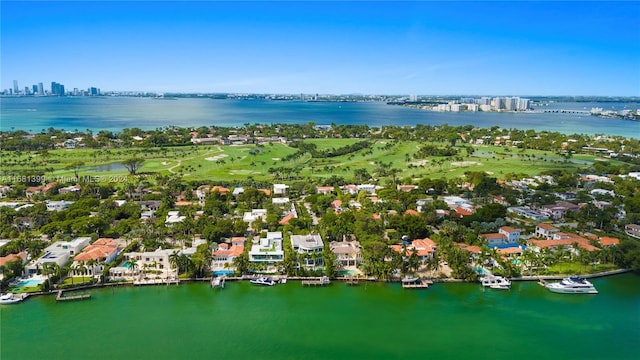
523	104
40	89
511	104
484	101
16	90
93	91
35	89
499	103
57	89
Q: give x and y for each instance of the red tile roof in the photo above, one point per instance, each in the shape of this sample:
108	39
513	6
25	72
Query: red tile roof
412	212
285	220
12	257
99	250
547	227
265	191
607	241
470	248
463	211
224	249
220	189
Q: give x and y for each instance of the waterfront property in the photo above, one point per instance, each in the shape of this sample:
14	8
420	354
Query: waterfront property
93	258
267	250
222	258
424	248
311	247
58	253
141	265
348	253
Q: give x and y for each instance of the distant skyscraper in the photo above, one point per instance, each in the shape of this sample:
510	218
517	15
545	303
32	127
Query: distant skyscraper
93	91
523	104
15	87
511	104
35	89
40	89
57	89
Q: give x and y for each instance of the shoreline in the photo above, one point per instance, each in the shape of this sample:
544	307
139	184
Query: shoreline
339	279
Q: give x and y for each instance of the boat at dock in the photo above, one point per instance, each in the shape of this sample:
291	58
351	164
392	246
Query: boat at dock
496	282
11	298
218	282
263	281
571	285
410	279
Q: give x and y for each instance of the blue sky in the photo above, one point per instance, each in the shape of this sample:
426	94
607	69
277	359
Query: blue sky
492	48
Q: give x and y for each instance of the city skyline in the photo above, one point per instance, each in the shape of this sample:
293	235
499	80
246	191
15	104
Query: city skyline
501	48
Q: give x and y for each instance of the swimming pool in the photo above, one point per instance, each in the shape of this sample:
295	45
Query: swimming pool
223	272
29	283
126	265
480	271
348	272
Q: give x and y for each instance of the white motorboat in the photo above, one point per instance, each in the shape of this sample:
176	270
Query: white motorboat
410	279
10	298
572	285
263	281
496	282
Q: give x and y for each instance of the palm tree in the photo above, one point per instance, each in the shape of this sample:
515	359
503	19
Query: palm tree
133	265
174	260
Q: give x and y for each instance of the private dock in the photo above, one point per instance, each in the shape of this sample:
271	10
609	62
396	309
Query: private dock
316	282
218	282
60	297
351	281
422	284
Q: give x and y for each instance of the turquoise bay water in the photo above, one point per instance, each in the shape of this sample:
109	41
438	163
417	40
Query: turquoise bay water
115	113
372	321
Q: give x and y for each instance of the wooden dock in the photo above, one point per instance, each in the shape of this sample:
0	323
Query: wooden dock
422	284
351	281
316	282
60	297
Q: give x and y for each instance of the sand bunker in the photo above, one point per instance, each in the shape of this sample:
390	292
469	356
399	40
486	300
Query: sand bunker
465	163
420	163
217	157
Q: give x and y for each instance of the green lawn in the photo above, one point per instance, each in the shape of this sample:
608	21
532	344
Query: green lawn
574	268
77	280
231	163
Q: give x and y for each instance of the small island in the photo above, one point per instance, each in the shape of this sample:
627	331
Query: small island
435	203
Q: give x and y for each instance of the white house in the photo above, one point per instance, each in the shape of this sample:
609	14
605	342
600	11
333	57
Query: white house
545	231
150	262
254	215
173	217
308	244
58	253
348	253
58	205
280	189
267	250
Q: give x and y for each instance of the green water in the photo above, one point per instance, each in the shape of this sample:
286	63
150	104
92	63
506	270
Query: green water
372	321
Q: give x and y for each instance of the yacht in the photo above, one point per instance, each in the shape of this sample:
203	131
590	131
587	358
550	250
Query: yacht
10	298
572	285
496	282
263	281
